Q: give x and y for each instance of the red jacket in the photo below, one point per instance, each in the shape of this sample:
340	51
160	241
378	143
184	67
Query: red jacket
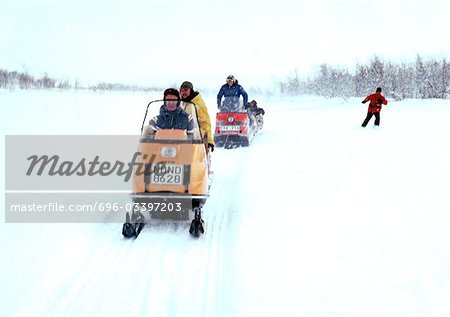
375	105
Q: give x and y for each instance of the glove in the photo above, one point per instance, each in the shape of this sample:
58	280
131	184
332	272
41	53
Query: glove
211	147
364	101
380	101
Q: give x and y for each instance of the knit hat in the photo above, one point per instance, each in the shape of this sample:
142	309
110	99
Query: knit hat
187	84
379	89
171	91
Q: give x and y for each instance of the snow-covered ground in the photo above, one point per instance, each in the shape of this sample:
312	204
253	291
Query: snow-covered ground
318	217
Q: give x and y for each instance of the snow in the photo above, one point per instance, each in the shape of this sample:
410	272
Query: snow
318	217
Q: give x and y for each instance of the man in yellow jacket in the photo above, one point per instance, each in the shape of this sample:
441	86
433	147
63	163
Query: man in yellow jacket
188	94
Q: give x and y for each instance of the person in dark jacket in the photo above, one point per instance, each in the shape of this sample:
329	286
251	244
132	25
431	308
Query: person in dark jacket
255	113
376	100
231	91
253	107
171	116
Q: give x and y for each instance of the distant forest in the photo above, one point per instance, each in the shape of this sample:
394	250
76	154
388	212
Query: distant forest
421	79
13	79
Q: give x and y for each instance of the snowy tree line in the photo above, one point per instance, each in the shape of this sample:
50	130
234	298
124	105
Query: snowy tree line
23	80
420	79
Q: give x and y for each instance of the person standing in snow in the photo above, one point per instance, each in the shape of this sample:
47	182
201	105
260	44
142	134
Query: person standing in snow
231	91
189	95
376	100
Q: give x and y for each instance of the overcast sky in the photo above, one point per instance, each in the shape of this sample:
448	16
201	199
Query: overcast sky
165	42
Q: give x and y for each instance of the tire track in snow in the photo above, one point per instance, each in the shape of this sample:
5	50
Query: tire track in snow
222	219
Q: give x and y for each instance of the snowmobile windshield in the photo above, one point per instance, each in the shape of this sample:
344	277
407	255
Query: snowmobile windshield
159	117
231	104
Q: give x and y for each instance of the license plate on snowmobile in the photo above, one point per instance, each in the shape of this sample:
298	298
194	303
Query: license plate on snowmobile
167	174
234	128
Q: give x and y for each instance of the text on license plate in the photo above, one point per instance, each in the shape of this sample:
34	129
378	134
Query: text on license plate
167	174
230	128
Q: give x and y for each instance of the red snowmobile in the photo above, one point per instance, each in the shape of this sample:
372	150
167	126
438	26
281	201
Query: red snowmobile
233	129
237	128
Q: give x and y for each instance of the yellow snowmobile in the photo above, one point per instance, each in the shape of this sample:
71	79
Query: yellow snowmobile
175	184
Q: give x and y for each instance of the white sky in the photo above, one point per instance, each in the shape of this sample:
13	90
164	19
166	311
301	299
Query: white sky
166	42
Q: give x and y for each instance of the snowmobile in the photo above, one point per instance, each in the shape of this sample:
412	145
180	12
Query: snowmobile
234	128
175	184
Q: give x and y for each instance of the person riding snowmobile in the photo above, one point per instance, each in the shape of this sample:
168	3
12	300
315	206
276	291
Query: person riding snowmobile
255	113
171	116
188	94
231	91
253	107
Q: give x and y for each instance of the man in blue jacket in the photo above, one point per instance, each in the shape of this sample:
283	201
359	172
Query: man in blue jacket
171	116
231	92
